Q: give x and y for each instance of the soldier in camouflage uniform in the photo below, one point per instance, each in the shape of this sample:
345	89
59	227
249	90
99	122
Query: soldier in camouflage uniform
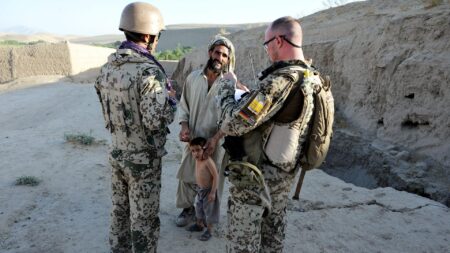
273	121
138	105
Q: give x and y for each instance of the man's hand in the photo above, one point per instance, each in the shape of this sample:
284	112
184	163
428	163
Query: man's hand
185	132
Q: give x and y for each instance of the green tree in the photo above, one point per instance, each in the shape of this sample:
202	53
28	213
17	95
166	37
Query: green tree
175	54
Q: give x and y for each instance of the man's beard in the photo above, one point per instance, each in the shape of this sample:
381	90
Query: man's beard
216	67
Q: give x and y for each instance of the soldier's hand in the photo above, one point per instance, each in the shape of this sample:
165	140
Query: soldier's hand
172	93
241	86
209	147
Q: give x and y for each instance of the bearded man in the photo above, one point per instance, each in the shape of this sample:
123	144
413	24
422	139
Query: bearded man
198	117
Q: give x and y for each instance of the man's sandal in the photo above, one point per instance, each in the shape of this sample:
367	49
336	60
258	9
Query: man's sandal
205	236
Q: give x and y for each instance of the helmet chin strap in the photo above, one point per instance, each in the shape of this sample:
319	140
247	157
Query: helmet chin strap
150	47
150	43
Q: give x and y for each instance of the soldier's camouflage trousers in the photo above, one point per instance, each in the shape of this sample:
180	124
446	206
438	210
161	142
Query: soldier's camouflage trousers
135	206
251	228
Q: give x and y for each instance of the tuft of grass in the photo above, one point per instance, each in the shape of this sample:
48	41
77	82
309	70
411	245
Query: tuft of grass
27	180
433	3
79	138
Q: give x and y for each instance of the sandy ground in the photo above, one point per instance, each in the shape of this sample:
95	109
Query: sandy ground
69	210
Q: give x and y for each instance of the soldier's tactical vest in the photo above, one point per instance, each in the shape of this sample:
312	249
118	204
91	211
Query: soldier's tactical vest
120	98
283	146
281	138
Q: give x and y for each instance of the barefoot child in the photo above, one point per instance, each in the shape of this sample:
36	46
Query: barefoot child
206	202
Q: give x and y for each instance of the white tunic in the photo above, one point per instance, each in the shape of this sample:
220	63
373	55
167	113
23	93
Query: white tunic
198	107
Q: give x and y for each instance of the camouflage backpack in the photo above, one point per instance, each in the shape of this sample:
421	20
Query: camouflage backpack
316	142
318	137
321	128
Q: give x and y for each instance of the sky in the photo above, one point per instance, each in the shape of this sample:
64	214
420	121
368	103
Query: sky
97	17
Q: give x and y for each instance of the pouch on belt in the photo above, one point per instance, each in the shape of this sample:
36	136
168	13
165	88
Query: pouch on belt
242	174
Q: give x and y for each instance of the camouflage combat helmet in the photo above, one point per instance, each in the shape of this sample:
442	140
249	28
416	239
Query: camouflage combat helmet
142	18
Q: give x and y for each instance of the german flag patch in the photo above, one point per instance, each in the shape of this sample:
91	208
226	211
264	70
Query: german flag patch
254	108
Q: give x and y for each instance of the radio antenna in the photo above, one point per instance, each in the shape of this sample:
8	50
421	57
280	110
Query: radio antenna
253	69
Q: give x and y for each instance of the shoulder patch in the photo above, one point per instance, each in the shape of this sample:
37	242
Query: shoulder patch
254	108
